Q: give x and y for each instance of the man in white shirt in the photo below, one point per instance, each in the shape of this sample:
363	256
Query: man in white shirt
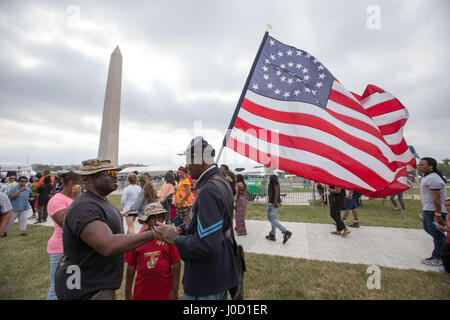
433	195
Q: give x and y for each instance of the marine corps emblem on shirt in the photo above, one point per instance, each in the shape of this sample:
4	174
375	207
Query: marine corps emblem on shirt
153	258
62	261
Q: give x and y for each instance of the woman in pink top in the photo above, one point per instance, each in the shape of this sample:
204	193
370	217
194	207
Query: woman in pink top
168	187
57	208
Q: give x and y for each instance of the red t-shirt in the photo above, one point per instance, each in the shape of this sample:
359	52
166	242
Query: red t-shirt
154	270
448	227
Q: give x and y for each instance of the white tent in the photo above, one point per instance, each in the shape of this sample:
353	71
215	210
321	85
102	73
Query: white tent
19	169
261	171
148	169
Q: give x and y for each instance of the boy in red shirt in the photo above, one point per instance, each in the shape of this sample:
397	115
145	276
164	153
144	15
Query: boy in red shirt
158	266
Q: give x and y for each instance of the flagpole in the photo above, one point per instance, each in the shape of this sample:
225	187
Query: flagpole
220	153
241	99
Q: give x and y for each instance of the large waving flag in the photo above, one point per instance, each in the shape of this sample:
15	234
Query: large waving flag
294	115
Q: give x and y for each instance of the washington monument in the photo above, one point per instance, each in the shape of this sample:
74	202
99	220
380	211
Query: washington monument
109	135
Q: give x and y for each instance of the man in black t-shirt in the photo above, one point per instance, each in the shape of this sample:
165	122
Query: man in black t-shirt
272	210
93	239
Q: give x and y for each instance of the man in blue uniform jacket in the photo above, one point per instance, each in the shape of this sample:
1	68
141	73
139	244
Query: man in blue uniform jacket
204	243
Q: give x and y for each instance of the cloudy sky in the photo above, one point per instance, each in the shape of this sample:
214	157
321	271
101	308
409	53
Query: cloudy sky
185	64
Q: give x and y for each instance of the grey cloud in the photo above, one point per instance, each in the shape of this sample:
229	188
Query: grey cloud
209	38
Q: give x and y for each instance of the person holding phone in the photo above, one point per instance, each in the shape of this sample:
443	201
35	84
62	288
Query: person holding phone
20	197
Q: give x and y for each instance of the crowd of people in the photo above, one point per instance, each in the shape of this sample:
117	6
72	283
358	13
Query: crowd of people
187	219
94	240
435	207
348	201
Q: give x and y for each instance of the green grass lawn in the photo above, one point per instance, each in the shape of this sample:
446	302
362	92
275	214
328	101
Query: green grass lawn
373	213
24	273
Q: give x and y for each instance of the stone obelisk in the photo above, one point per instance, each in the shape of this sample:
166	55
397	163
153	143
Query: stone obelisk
109	135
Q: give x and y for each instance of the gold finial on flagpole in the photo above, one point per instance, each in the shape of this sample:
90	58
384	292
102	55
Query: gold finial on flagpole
269	26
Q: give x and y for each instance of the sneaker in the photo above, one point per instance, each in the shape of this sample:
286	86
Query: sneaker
4	235
404	210
24	235
270	237
432	261
354	225
286	236
38	221
396	209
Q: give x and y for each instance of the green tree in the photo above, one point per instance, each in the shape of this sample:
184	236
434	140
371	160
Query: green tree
40	167
444	167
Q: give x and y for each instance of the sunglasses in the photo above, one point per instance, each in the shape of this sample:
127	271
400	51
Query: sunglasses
111	173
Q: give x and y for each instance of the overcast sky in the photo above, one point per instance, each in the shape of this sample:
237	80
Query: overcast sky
185	64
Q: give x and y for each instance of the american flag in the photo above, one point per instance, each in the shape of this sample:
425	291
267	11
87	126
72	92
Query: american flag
294	115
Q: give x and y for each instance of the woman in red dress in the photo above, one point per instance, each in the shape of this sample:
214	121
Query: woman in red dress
241	205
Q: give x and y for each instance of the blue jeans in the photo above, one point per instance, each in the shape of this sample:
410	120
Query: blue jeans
216	296
438	236
272	213
54	259
400	199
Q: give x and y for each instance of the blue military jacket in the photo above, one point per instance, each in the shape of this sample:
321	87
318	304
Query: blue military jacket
209	263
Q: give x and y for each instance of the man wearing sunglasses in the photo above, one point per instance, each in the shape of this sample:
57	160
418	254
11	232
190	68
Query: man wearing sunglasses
20	196
93	239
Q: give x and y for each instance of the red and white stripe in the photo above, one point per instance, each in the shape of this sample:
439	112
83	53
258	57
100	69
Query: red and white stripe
356	144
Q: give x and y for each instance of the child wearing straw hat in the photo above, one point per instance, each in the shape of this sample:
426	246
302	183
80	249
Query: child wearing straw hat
157	266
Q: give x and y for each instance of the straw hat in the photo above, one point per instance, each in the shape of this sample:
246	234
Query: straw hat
153	208
92	166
